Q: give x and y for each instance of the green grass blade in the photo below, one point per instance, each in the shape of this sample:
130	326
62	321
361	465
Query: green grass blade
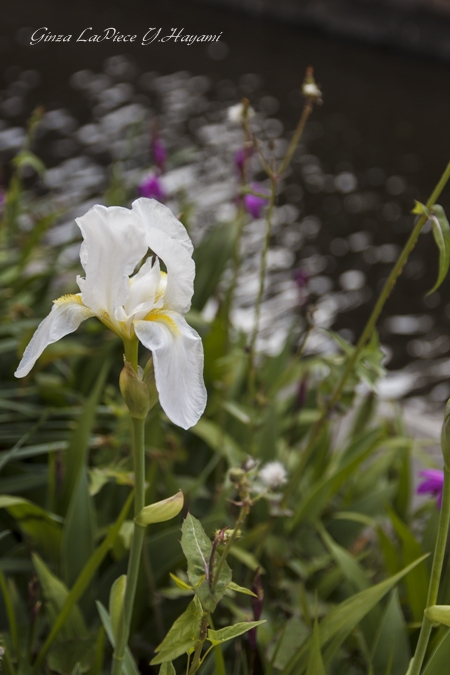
10	614
84	579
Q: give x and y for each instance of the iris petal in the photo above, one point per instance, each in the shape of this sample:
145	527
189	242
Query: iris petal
66	315
168	238
178	361
114	243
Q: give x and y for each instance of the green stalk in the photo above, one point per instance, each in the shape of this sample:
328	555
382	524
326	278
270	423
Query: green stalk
366	334
307	110
262	276
239	523
137	439
433	589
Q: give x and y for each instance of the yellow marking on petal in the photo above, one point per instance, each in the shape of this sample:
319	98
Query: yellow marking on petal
64	299
159	315
161	286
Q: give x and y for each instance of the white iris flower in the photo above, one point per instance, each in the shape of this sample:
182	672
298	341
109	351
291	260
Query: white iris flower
148	306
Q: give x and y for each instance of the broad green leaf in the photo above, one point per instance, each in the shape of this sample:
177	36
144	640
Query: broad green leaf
116	599
55	594
439	660
161	511
293	635
246	558
75	457
315	661
320	492
416	582
210	258
391	652
10	614
350	567
355	576
75	549
167	669
43	528
83	581
441	233
65	656
183	636
240	589
129	666
197	548
97	666
391	557
338	624
216	637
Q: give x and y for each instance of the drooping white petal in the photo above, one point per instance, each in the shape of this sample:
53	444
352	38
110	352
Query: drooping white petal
178	361
114	243
160	217
66	315
168	238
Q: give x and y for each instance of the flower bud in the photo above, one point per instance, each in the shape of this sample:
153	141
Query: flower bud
445	437
438	614
134	391
161	511
236	475
310	89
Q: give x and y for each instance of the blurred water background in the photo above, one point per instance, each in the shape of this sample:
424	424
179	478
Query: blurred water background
378	142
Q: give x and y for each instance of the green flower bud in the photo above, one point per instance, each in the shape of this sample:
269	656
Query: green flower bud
236	475
116	598
161	511
438	614
134	391
445	437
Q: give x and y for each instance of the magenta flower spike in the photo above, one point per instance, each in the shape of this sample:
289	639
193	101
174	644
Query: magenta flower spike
152	188
253	204
433	484
242	156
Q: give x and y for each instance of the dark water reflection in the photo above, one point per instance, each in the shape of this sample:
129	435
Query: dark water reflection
377	143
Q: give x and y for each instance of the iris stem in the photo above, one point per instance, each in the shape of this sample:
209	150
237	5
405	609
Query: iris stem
131	348
365	336
137	440
436	571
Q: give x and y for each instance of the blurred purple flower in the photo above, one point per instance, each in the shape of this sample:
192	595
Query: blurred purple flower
301	277
151	187
159	152
253	204
433	484
242	156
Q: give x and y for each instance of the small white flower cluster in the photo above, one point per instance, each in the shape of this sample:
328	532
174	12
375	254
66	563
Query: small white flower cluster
273	475
311	90
236	113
